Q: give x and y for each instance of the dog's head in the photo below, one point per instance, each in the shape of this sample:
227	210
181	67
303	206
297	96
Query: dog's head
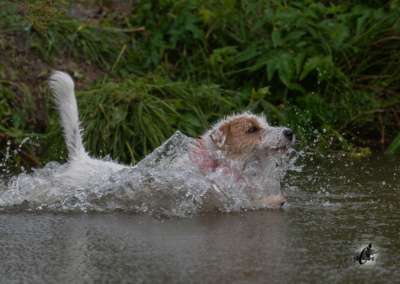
241	136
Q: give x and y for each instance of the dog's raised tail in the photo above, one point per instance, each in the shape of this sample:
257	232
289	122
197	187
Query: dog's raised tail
62	87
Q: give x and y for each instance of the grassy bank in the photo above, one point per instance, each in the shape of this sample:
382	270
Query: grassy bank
328	69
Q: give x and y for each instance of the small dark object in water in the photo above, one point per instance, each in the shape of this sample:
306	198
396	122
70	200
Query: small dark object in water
367	254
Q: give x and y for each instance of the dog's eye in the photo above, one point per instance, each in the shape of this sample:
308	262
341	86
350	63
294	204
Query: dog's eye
252	129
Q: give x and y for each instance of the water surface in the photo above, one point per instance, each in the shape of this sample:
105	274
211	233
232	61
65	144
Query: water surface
336	208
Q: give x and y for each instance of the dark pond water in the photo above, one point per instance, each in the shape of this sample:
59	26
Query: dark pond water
336	208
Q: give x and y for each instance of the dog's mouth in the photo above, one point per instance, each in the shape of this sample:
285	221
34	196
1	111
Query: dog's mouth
282	146
283	149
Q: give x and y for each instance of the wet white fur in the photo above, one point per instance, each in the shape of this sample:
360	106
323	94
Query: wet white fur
82	168
62	87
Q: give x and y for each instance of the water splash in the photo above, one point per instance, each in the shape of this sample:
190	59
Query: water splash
163	183
8	157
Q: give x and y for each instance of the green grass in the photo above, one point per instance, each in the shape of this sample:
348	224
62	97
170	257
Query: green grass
329	69
130	118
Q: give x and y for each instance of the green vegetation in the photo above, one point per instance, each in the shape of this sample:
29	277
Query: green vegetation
328	69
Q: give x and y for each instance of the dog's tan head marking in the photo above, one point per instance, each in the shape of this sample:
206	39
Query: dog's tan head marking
237	136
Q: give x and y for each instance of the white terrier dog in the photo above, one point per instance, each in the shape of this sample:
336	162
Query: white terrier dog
226	148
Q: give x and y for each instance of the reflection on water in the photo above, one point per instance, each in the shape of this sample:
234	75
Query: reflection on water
336	208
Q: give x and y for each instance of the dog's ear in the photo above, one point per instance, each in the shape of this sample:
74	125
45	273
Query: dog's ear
219	135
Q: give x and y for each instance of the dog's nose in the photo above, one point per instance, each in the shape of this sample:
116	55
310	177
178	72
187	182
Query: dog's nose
288	133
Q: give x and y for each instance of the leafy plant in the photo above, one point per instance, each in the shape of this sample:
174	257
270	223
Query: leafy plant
130	118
